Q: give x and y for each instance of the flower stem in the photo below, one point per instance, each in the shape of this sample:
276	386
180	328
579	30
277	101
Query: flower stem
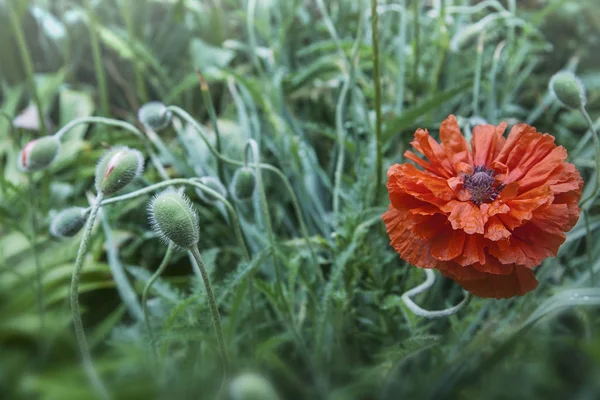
594	192
74	296
19	33
412	306
39	273
377	82
213	309
161	268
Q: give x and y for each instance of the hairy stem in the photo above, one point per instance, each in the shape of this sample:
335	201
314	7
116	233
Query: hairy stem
214	310
74	296
594	192
161	268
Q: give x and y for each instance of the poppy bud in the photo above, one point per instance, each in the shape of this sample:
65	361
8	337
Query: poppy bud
243	183
173	219
568	89
250	386
117	169
214	184
39	153
68	222
154	115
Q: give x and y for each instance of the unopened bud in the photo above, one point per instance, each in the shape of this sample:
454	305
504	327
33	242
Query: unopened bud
154	115
568	89
39	154
251	386
212	183
117	169
68	222
173	219
243	183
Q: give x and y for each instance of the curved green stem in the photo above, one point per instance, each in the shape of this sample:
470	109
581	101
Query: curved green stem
214	310
594	192
161	268
189	182
429	281
74	296
39	273
377	83
11	127
298	211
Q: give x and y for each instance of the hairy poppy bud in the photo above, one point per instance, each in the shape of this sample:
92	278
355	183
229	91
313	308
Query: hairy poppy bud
154	115
39	153
250	386
68	222
173	219
243	183
214	184
117	169
568	89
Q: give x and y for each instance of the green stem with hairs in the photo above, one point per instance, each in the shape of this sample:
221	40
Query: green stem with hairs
189	182
19	33
594	192
161	268
377	83
214	310
84	348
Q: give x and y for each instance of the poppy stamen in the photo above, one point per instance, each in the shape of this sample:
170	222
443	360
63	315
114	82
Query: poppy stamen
482	185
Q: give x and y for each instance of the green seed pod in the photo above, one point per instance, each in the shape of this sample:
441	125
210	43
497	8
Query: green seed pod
39	154
173	219
154	115
243	183
214	184
568	89
250	386
68	222
117	169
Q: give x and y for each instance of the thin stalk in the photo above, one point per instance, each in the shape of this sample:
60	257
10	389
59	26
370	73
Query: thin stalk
213	120
377	82
19	33
478	68
86	357
97	58
214	310
161	268
268	225
296	204
140	84
188	182
594	192
429	281
492	112
416	40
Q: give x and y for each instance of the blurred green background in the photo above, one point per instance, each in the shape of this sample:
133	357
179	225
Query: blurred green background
297	76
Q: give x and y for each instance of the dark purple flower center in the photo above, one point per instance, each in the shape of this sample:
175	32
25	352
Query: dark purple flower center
482	185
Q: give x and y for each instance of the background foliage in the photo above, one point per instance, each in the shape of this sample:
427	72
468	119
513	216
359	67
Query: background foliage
297	76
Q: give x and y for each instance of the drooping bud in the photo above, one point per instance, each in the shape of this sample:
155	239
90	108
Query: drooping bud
243	183
68	222
568	89
39	154
154	115
173	219
251	386
214	184
117	169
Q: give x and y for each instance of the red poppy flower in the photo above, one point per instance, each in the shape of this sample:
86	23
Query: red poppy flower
486	215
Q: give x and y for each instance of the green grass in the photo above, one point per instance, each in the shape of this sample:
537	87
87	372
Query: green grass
317	309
